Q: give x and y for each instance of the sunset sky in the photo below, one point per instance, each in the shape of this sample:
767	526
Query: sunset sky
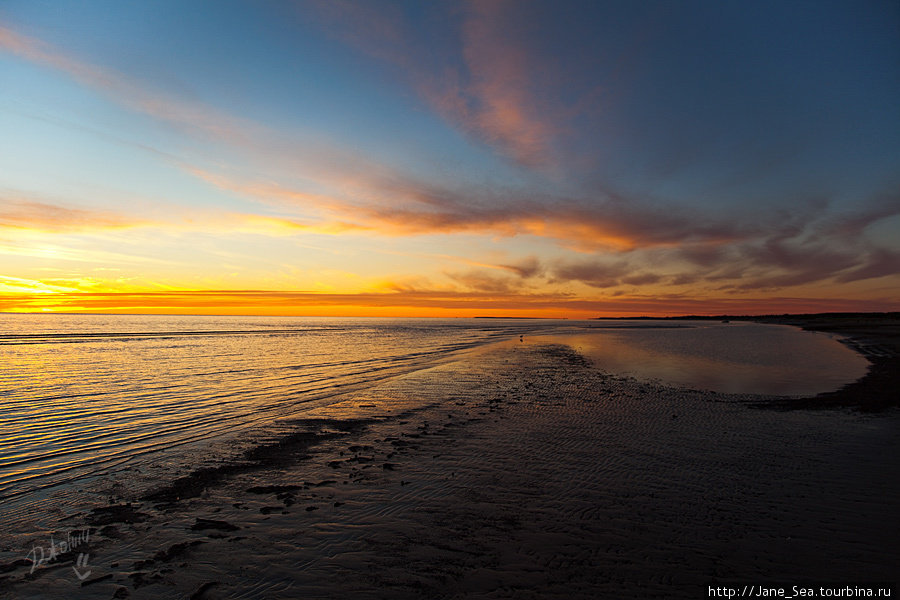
560	158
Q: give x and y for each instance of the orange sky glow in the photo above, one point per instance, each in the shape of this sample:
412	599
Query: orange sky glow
460	159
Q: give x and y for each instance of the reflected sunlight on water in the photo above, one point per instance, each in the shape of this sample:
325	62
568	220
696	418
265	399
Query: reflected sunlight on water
80	394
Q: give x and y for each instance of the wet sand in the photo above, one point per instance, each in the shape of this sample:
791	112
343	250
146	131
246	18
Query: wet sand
529	474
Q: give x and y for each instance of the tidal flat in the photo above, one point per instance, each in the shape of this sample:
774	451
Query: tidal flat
526	472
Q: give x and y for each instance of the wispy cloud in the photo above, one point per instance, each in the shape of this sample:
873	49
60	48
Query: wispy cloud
595	273
405	206
878	262
526	268
488	90
184	114
504	110
259	144
250	223
26	214
853	224
20	285
485	282
22	215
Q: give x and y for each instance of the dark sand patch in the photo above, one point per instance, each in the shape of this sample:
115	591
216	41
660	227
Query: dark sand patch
281	452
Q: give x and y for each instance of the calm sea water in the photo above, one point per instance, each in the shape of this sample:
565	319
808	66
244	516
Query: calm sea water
87	395
738	357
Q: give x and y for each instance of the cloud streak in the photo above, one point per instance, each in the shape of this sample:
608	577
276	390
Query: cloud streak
22	214
403	206
190	116
488	91
18	215
432	302
503	110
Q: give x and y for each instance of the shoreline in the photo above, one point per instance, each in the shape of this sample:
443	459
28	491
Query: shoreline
531	474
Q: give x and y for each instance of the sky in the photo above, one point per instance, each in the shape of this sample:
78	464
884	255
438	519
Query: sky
449	158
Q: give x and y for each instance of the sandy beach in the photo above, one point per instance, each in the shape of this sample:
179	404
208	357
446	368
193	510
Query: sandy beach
532	474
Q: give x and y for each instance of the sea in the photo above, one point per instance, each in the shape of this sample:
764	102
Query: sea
84	397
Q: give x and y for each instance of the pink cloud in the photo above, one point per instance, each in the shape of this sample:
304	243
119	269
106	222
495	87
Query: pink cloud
489	94
506	113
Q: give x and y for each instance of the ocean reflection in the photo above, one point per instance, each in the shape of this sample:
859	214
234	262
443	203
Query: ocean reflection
83	394
722	357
